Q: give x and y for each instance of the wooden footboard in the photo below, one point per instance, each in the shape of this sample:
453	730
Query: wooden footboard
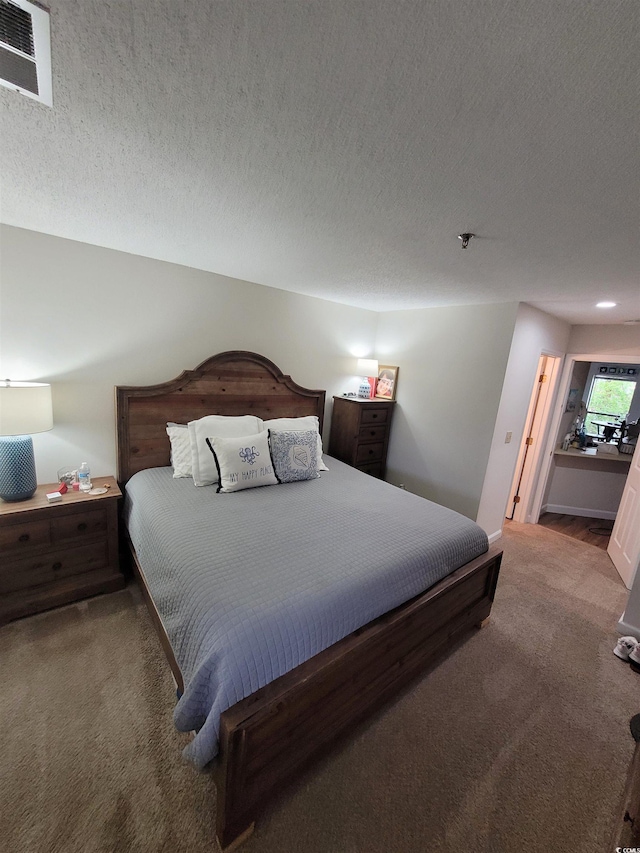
270	737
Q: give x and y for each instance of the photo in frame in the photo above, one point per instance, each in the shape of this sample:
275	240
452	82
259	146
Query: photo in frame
387	382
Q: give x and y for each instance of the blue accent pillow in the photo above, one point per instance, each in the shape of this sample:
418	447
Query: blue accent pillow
294	454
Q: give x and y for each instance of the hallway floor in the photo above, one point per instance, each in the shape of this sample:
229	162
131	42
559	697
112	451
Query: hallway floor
579	527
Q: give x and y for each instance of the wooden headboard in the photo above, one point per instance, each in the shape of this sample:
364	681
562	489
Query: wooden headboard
230	383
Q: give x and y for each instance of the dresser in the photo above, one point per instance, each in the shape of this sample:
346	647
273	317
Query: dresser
52	554
360	433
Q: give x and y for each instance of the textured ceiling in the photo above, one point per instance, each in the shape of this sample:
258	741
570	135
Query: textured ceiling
337	147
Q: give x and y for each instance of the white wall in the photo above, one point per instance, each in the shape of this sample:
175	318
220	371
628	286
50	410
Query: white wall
452	363
86	319
630	619
578	381
535	333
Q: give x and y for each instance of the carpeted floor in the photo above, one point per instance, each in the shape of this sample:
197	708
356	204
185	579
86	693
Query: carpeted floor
518	740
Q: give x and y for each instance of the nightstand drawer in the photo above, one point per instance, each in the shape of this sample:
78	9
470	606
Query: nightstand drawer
374	469
18	537
369	452
372	433
79	525
26	572
374	416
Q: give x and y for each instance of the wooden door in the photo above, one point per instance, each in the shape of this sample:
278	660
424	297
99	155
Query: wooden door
624	545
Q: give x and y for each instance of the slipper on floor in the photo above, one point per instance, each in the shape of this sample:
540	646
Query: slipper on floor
634	658
625	646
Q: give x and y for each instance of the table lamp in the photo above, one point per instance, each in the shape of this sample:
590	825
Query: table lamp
25	408
367	367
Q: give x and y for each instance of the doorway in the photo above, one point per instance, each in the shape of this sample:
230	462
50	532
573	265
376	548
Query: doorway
629	540
531	450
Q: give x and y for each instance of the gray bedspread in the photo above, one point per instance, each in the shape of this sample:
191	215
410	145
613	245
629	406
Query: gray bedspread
251	584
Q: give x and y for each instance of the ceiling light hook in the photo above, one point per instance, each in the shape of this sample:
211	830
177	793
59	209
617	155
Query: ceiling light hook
465	238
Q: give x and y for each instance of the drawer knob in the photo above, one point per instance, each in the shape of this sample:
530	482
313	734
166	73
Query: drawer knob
24	537
56	567
371	453
82	526
373	432
374	416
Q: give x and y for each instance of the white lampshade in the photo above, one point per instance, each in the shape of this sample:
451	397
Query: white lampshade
25	408
367	367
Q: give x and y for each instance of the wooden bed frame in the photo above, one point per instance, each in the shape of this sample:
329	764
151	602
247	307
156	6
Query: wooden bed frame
273	735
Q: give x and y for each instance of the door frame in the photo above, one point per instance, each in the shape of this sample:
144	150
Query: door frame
555	416
528	463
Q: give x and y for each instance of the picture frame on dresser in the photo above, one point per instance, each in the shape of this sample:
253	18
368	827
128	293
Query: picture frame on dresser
387	383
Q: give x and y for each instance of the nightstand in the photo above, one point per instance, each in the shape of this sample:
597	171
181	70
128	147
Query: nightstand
360	433
52	554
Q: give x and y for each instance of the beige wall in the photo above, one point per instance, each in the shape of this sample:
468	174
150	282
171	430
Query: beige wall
452	364
535	333
610	340
575	488
86	318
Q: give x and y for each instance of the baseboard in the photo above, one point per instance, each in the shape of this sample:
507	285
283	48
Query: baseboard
578	510
495	536
627	629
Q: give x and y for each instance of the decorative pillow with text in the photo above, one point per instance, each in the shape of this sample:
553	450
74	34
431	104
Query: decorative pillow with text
242	463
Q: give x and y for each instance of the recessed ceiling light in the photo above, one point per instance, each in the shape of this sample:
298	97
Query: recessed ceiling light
606	304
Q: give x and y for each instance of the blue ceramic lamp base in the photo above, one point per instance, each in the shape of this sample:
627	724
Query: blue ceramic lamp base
17	468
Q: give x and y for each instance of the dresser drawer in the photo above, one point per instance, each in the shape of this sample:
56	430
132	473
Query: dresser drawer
372	433
25	572
374	416
20	537
369	452
79	525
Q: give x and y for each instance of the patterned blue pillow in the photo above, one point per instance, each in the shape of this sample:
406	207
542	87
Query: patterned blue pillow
294	454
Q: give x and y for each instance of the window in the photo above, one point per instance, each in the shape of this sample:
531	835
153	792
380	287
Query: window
609	400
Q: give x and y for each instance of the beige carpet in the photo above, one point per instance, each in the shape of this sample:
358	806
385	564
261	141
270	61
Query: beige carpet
518	741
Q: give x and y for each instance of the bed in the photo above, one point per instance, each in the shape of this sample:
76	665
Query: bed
276	713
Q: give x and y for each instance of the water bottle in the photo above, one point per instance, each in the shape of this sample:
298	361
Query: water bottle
84	477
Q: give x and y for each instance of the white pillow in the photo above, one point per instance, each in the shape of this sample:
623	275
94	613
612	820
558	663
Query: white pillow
307	422
294	454
180	449
203	466
242	463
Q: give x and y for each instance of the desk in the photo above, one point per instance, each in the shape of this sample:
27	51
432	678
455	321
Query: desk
591	455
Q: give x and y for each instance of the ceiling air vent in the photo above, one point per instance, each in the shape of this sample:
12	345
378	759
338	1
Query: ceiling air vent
25	49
